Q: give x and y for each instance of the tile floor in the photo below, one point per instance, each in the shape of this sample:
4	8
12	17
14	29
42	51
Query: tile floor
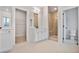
47	46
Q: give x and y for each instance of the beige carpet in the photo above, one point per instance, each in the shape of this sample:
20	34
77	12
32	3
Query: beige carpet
48	46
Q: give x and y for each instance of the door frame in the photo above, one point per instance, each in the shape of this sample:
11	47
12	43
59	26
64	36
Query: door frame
14	22
25	21
57	26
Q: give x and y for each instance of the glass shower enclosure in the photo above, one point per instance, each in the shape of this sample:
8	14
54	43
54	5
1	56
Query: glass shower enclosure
70	26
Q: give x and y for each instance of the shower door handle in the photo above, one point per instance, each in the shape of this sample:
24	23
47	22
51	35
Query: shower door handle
66	28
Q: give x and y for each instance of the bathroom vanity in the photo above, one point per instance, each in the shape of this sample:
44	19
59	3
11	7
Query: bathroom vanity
6	41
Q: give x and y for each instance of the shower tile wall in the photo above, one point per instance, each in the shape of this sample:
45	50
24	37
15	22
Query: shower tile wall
53	23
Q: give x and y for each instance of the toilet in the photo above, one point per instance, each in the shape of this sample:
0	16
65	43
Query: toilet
73	35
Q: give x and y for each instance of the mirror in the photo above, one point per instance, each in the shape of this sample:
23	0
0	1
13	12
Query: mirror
6	21
36	20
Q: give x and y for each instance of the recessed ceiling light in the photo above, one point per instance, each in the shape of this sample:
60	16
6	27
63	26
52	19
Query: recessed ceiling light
36	9
7	9
55	8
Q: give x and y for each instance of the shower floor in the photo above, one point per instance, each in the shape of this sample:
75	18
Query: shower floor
54	38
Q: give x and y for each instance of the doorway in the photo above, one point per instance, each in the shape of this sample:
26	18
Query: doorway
53	23
20	20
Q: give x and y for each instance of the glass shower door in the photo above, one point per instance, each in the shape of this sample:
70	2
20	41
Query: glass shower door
71	26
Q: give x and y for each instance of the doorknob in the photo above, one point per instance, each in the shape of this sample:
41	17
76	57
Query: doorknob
66	27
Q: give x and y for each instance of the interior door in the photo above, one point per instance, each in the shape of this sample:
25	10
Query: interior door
71	26
20	26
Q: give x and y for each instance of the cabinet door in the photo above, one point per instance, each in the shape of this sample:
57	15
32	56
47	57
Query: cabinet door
0	39
6	41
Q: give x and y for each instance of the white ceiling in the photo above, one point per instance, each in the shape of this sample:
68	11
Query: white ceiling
6	8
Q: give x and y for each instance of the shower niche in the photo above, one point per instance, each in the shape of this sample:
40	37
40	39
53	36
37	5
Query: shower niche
70	26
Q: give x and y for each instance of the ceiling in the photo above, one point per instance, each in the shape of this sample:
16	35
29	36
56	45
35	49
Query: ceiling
6	8
52	8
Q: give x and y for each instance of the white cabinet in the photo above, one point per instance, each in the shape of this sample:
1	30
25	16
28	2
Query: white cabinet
6	40
0	39
6	34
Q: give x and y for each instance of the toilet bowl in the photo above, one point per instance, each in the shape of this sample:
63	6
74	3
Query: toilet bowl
73	35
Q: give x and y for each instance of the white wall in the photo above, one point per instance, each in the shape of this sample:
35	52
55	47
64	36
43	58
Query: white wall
40	33
72	19
44	24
